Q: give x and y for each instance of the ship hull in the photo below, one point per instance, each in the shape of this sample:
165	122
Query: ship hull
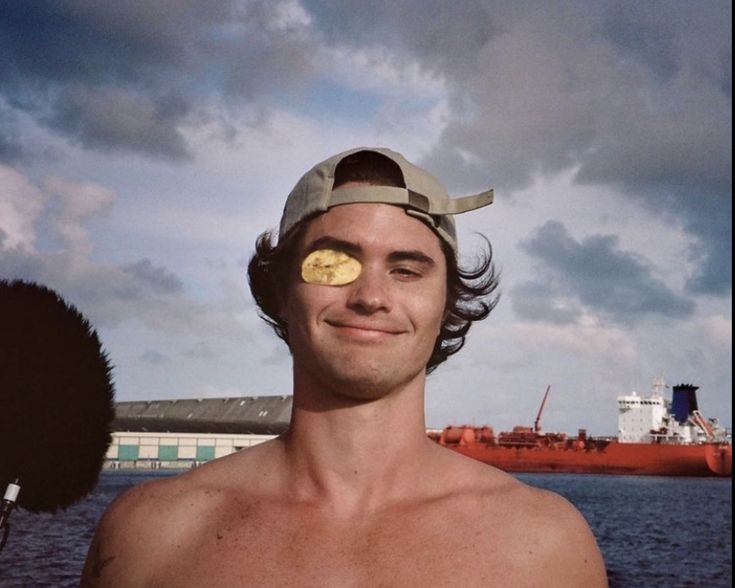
709	459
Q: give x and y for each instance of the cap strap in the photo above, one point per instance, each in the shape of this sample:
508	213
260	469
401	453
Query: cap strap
368	193
466	203
395	195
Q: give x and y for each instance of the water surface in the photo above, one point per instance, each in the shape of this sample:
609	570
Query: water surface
669	532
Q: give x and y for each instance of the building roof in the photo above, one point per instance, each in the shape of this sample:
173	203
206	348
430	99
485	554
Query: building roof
240	415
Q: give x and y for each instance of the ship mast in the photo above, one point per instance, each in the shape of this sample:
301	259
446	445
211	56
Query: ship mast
537	422
658	387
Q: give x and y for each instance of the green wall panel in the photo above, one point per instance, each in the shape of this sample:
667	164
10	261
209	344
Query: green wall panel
168	452
127	453
205	453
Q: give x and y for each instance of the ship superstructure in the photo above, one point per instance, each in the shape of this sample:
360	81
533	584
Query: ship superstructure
653	419
655	437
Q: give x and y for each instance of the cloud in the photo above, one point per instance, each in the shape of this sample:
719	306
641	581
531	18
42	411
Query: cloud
201	350
595	274
600	343
154	357
108	294
21	204
717	332
71	204
134	75
120	119
157	279
634	95
535	301
712	223
664	42
11	149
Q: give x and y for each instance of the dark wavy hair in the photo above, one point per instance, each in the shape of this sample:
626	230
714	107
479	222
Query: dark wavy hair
471	291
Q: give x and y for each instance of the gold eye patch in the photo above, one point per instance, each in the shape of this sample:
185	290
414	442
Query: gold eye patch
330	268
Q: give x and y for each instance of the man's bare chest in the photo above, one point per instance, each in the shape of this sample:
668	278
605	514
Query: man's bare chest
292	548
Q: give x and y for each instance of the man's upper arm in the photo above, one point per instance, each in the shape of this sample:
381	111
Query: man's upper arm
97	560
576	558
118	555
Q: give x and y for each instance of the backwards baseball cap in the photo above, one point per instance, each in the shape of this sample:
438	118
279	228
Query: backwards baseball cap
424	197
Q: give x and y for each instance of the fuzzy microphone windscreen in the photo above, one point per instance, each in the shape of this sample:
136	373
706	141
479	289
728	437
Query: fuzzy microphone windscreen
56	398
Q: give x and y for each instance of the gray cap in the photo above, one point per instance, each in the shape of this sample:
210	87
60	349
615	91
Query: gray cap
424	197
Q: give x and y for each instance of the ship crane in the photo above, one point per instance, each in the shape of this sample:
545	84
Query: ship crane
699	420
537	422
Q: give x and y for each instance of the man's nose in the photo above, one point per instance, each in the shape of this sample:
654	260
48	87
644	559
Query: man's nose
370	293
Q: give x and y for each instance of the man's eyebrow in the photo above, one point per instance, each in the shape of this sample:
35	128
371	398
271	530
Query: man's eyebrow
354	249
417	256
328	242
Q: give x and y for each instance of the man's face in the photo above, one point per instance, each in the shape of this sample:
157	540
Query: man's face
368	337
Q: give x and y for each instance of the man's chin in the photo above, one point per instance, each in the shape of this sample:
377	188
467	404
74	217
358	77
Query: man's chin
371	384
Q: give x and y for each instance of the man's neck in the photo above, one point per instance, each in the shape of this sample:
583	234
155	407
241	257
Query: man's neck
353	455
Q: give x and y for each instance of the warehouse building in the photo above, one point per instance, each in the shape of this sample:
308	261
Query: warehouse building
185	433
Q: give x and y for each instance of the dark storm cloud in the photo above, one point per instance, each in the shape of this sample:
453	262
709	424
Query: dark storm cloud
11	149
713	224
120	120
661	33
133	74
595	273
158	279
636	95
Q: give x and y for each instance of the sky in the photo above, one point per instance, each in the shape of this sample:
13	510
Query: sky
145	145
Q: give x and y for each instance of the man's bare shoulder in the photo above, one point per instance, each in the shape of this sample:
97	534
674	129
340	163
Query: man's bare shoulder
134	527
195	489
540	531
150	522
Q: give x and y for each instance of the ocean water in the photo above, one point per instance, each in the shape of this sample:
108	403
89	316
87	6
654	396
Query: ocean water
654	531
668	532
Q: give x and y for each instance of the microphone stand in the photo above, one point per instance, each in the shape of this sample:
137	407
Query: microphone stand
6	507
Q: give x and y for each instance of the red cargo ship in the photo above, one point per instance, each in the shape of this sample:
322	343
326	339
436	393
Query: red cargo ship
655	437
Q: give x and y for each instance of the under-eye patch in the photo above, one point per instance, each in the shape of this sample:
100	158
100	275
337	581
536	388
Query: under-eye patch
330	268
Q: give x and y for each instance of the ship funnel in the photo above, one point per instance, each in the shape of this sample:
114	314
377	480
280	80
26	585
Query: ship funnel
684	401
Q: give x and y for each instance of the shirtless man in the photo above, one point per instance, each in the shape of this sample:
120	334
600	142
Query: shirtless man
363	285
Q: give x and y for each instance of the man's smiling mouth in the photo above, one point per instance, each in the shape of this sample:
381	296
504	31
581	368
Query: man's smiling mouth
364	329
